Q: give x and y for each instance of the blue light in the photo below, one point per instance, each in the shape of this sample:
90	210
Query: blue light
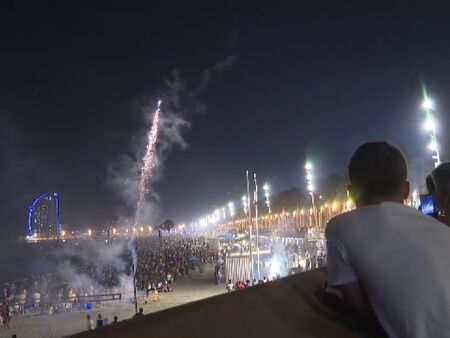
31	209
55	195
30	213
88	306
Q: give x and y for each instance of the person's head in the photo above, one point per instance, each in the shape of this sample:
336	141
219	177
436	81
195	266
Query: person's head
116	319
438	184
141	310
378	172
88	317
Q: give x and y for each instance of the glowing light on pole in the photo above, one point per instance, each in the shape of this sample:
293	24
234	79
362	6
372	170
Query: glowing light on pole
149	158
250	224
309	183
231	209
430	126
244	205
310	187
255	200
266	189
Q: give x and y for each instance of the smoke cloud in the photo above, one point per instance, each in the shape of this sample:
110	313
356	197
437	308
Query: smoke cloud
179	103
86	264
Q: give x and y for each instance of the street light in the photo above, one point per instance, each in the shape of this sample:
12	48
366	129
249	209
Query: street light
266	189
309	184
255	201
430	126
310	187
231	209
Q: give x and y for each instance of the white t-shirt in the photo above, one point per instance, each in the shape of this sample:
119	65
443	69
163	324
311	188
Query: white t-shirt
402	258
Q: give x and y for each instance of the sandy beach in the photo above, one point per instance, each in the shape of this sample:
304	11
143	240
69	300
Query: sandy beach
195	287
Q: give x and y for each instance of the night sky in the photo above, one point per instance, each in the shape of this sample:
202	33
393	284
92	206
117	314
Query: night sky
307	83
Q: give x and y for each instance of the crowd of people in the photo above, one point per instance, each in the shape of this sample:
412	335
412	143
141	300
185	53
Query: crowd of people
159	263
369	251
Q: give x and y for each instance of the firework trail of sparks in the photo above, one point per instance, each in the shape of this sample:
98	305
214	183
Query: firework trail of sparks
149	158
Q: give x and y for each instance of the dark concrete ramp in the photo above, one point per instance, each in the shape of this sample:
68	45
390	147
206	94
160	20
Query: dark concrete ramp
290	307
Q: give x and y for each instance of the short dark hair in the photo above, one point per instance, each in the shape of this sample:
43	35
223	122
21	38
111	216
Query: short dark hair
440	178
377	169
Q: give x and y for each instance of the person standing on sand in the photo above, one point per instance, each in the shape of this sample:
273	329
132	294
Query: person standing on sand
89	322
4	311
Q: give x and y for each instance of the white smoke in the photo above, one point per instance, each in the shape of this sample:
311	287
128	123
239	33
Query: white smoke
81	265
178	104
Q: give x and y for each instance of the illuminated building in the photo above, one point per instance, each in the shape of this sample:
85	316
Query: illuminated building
43	216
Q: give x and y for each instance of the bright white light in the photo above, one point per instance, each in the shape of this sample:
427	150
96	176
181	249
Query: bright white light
309	176
89	232
427	104
308	166
430	125
414	195
432	145
275	268
310	187
231	209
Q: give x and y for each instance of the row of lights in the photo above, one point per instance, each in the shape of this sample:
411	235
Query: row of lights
430	126
333	208
219	215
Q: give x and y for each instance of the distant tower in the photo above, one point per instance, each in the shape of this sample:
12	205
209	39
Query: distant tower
43	216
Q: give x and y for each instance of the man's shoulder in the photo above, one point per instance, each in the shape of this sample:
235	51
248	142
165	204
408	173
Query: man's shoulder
340	222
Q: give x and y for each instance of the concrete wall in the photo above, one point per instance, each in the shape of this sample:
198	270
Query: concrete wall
290	307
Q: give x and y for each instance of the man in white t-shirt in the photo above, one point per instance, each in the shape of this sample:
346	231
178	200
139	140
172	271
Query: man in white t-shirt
389	261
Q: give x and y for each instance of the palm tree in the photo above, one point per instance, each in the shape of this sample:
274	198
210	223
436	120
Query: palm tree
168	225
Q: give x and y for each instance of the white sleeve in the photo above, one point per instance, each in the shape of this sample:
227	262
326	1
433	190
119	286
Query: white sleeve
339	269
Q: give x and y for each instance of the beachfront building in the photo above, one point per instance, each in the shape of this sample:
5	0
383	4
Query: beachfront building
43	217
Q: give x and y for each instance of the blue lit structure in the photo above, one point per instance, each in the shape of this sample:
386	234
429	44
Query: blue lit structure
43	216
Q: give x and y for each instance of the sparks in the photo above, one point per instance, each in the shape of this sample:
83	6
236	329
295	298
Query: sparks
149	158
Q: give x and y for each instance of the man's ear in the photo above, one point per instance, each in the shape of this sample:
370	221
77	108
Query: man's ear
406	190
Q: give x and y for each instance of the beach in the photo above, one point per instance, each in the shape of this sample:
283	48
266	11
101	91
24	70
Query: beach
188	289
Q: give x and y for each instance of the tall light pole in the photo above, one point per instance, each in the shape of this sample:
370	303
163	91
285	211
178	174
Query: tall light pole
430	126
244	205
231	209
266	189
255	200
250	224
310	187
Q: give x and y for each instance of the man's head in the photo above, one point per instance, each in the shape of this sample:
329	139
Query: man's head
438	184
378	172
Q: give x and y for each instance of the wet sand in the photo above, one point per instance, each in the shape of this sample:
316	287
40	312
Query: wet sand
195	287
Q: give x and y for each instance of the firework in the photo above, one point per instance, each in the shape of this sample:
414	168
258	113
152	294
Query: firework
149	158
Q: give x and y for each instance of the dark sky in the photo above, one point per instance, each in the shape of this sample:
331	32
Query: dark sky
308	83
